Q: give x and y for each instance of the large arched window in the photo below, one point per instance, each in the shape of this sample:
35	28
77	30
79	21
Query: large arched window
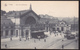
30	20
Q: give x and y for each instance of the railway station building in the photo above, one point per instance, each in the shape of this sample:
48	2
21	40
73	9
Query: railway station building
28	24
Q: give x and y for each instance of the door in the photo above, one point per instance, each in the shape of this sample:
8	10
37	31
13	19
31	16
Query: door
57	29
26	33
6	32
22	33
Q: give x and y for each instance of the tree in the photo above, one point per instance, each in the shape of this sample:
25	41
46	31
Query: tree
3	12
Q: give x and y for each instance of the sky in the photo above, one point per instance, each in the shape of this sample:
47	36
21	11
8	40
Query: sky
52	8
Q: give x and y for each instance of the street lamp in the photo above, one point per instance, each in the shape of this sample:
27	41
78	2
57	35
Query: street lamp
62	42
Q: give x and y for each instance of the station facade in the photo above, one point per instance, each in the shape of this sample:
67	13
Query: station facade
29	23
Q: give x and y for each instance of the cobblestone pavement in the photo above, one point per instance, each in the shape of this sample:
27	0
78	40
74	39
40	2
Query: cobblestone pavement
52	42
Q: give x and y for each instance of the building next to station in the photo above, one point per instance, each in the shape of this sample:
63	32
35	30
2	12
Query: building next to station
28	24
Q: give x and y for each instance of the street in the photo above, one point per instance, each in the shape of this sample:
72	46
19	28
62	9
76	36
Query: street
52	42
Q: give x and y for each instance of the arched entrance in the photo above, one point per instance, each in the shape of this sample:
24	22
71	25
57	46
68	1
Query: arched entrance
30	20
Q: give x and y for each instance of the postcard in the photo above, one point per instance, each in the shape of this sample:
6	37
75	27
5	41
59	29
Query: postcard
39	24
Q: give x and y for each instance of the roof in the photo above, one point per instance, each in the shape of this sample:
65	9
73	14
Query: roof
64	21
51	21
6	22
71	20
3	17
18	14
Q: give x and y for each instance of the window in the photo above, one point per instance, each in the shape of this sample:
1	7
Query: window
6	32
57	29
11	32
6	26
53	29
62	28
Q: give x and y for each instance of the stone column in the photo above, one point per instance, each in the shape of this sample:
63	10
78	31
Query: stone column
24	33
48	29
64	29
29	33
15	32
19	33
56	28
60	28
9	33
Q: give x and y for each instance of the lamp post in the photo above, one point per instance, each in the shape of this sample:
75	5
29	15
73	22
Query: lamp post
62	41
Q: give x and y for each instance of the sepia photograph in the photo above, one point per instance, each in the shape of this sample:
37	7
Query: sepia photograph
39	24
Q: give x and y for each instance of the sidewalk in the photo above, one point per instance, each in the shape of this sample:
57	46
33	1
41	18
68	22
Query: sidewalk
15	43
8	39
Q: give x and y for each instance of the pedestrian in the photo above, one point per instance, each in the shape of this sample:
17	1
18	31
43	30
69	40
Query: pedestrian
39	39
28	38
5	45
62	40
61	34
11	38
76	40
44	40
35	47
62	46
34	41
20	39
